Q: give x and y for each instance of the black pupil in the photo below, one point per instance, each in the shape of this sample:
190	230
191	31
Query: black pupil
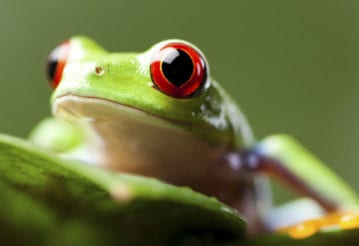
177	66
51	68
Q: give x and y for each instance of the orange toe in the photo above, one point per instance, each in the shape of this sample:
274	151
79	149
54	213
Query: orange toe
332	221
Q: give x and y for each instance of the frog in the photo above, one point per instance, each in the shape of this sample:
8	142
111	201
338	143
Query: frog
160	114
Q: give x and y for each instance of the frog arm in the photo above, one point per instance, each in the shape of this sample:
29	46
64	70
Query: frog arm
286	159
56	135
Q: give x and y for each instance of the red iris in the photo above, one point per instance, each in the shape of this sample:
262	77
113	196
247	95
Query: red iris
178	70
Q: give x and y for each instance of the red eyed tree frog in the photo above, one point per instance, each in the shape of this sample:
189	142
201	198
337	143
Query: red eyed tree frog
160	114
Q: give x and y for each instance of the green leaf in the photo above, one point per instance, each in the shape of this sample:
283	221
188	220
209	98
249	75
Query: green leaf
51	201
45	200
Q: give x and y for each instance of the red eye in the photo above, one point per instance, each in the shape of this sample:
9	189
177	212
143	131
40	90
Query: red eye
56	62
178	70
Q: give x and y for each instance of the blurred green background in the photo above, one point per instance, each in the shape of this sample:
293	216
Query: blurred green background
291	65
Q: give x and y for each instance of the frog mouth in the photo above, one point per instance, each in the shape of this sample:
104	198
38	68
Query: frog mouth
106	118
81	109
95	108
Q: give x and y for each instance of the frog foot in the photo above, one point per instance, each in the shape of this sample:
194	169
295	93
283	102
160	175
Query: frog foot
330	222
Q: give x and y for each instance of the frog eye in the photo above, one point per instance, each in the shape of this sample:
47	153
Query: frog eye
56	62
178	70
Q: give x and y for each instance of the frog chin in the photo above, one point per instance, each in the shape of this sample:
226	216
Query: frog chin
130	140
112	130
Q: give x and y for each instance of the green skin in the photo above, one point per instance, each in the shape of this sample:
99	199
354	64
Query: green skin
107	112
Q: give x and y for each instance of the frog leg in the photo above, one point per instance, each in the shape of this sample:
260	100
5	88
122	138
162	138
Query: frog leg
284	158
56	135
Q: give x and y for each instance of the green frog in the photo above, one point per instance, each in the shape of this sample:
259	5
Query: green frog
161	114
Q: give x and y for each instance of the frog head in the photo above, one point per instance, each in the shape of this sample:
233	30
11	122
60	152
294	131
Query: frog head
170	82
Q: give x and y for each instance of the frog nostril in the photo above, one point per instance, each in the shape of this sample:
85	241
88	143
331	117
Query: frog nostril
99	70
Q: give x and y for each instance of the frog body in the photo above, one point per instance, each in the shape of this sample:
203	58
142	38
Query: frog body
160	114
